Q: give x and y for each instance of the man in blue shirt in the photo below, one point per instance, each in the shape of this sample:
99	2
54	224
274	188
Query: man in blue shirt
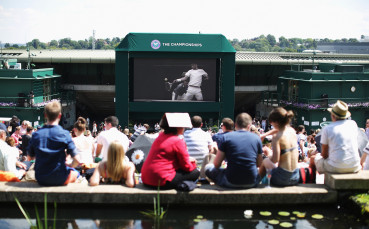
49	146
243	152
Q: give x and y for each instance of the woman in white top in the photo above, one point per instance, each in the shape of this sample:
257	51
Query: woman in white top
84	145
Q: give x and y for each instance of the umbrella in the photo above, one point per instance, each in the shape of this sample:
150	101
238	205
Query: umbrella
362	141
139	150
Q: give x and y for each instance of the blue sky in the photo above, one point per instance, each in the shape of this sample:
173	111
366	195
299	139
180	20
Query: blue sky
24	20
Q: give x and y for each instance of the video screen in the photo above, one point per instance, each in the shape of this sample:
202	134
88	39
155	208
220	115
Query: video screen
164	79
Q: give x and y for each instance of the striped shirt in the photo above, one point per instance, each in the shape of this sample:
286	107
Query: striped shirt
198	142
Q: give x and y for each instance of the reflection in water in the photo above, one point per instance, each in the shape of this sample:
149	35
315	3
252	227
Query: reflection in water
96	217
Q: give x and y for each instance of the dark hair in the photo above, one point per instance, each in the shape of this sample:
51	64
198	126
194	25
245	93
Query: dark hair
112	120
281	116
228	123
300	128
29	128
80	124
165	126
196	121
243	120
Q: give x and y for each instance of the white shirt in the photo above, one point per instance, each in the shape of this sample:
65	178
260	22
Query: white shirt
8	159
341	138
108	136
84	147
198	142
195	77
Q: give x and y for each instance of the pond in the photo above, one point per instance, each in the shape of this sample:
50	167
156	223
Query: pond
93	216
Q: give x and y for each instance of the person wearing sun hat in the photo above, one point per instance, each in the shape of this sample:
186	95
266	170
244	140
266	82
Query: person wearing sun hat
339	144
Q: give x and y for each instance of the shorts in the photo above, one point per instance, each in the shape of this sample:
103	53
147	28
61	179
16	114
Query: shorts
282	177
219	177
322	166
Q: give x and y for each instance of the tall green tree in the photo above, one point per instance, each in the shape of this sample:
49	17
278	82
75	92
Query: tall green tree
271	39
283	42
53	43
35	43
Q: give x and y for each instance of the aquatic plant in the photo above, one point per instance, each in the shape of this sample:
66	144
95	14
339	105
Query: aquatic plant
158	213
39	224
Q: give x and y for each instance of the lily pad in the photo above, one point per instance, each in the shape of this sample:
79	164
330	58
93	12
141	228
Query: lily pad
282	213
286	224
273	222
197	220
295	212
317	216
265	213
200	217
292	218
301	215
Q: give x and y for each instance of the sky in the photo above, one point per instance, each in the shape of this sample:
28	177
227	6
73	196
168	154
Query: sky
46	20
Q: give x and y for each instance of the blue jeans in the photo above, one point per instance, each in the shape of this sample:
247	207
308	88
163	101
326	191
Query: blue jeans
219	177
282	177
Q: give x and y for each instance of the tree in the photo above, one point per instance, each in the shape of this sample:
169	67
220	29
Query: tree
283	42
83	44
309	43
65	42
53	43
7	45
35	43
271	40
237	47
353	40
100	44
15	46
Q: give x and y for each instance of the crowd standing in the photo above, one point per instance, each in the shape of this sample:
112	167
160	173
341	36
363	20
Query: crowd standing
182	151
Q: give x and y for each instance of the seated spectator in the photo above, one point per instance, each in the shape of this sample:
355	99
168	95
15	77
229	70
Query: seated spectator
168	163
338	143
25	142
50	167
23	127
301	139
84	145
16	135
243	152
199	142
139	131
110	134
116	169
226	126
8	160
365	158
285	153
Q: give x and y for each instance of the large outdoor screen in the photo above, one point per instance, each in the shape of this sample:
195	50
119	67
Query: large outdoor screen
164	79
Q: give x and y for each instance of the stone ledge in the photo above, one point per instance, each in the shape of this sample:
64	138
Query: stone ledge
351	181
29	192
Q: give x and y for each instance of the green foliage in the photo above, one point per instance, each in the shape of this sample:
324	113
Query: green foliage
363	201
158	213
39	224
258	44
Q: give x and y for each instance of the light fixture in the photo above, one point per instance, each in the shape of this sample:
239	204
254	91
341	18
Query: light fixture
353	89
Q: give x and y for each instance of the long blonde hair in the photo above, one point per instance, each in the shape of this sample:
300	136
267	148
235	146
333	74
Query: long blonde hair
116	165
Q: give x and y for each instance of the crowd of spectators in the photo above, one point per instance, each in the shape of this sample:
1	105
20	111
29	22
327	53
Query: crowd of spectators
241	154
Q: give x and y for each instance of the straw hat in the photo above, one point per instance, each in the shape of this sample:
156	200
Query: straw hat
340	110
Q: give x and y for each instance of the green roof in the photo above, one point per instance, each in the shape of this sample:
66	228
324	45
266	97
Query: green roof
170	42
